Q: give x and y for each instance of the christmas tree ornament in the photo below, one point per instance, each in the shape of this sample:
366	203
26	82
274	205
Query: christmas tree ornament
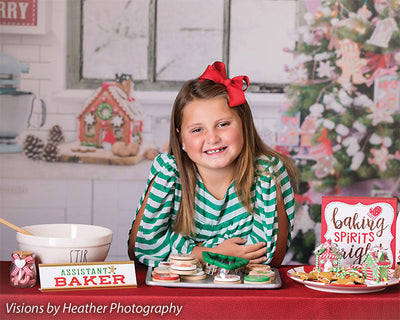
381	6
336	106
363	101
324	166
387	142
352	149
357	160
363	13
301	74
307	130
324	156
350	63
322	56
56	135
376	61
342	130
316	110
359	127
375	139
325	69
380	114
328	98
33	147
334	43
383	32
50	152
387	92
380	158
329	124
288	130
344	98
380	72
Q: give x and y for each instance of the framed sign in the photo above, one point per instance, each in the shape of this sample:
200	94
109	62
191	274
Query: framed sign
24	16
356	224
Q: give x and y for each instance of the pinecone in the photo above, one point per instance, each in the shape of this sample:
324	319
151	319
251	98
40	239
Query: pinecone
33	147
50	152
56	135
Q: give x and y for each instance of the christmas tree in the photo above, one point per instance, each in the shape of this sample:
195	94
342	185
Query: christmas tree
344	90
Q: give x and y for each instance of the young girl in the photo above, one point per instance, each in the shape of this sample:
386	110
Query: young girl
220	188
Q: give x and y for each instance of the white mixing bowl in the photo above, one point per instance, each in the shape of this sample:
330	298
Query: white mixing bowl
66	243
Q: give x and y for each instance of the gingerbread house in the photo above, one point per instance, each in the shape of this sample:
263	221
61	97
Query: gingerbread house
376	264
111	114
328	256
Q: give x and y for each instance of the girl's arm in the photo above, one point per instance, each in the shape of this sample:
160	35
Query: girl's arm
283	230
236	247
255	252
136	224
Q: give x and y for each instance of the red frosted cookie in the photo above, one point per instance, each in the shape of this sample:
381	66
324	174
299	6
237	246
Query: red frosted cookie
166	277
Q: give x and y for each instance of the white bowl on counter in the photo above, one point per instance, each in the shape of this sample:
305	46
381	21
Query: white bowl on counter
66	243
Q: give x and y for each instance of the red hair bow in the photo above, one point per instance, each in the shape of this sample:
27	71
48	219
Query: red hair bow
216	72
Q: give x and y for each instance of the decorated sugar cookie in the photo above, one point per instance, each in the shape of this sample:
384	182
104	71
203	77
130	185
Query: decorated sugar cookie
227	278
166	277
256	279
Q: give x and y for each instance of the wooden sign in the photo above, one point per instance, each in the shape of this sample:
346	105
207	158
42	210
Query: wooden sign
87	275
356	224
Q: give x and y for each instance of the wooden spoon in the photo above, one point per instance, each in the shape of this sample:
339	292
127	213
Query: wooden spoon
13	226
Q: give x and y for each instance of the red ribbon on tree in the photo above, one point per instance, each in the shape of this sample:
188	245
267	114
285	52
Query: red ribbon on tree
377	60
217	73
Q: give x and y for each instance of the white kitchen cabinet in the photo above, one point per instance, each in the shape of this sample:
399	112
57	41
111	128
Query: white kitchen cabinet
36	192
25	202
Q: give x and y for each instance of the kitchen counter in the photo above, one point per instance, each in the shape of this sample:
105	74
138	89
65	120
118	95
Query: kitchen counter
18	166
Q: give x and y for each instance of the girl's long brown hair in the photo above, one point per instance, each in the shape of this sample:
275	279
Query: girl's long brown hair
253	147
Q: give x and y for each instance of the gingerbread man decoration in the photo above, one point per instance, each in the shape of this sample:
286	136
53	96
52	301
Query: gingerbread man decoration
350	63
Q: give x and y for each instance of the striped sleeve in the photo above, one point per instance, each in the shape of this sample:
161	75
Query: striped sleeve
154	234
265	224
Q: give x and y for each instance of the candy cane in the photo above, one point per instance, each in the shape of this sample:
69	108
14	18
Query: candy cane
22	275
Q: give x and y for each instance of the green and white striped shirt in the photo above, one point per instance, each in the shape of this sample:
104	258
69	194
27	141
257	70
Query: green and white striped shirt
215	220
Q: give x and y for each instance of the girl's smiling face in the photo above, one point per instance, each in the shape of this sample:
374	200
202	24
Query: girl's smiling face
211	134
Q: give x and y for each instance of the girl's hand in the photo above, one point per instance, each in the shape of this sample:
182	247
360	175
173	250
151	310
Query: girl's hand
236	247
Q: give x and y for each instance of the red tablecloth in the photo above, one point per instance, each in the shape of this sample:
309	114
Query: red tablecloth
291	301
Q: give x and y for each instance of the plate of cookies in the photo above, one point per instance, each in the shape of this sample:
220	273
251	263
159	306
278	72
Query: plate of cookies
184	270
343	280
